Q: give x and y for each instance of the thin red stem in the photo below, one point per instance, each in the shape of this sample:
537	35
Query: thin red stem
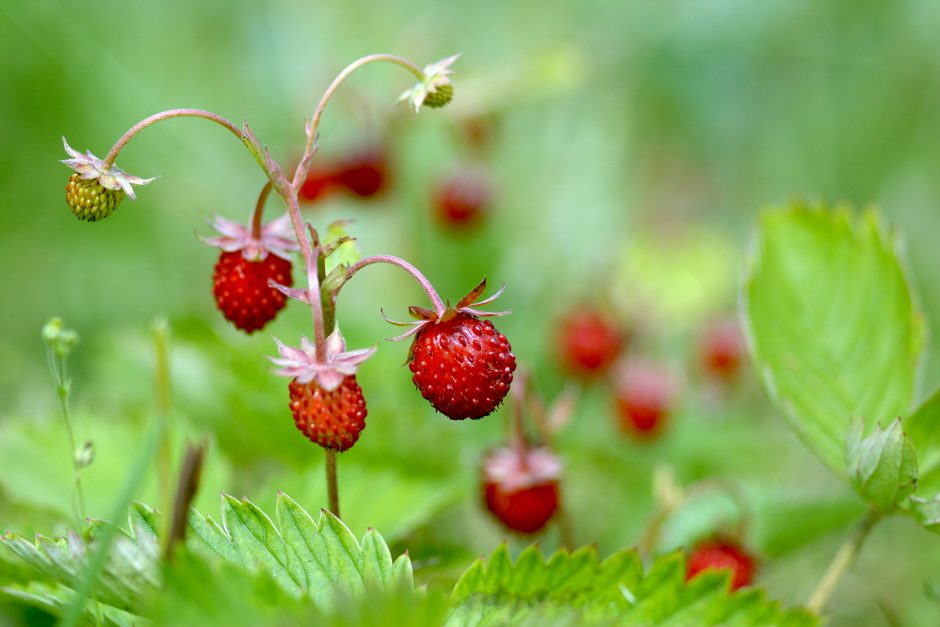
439	306
304	166
259	210
165	115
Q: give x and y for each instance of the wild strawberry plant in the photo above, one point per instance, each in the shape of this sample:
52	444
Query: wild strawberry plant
832	327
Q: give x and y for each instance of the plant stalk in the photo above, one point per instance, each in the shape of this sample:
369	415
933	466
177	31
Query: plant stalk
165	115
332	486
439	307
841	562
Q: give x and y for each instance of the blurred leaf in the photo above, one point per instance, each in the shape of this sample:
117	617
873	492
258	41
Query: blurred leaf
832	325
56	599
882	467
578	587
129	571
923	428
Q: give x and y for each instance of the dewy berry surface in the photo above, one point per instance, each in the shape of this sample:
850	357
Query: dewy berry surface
463	366
331	418
242	292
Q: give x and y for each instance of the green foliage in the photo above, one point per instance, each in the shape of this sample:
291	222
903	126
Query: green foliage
129	571
578	588
832	324
305	557
923	428
882	467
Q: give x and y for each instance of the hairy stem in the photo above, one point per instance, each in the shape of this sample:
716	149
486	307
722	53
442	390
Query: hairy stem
165	115
436	301
332	486
304	166
841	562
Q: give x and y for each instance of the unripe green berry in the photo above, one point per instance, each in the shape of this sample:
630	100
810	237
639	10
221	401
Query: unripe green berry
443	94
89	200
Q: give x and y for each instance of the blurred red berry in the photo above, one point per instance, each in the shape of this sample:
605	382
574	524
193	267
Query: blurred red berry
318	183
644	398
462	200
364	172
723	349
588	343
331	418
520	487
718	554
242	292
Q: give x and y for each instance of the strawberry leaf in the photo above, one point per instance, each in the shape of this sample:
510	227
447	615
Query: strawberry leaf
831	323
579	588
319	560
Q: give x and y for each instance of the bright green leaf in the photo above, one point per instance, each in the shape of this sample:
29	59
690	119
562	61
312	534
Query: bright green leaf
882	467
833	328
579	588
923	427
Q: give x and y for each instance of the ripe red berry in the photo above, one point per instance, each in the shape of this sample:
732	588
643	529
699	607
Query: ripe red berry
520	487
462	201
333	419
644	398
588	343
718	554
462	365
722	350
242	292
364	172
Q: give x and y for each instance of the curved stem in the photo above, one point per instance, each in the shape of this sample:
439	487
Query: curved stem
259	209
841	562
165	115
439	307
304	166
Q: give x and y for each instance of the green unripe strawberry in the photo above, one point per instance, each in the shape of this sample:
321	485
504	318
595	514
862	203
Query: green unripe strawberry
443	94
89	201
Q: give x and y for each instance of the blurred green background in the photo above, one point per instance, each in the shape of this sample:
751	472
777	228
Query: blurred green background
631	145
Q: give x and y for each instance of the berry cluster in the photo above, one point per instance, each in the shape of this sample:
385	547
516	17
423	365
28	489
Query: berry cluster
592	346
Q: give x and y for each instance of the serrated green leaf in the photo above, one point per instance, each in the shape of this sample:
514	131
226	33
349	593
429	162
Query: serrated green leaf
578	588
305	558
832	324
882	467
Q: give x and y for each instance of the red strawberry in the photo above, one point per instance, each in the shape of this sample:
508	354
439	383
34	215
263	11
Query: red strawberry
318	183
718	554
520	486
332	419
588	343
461	201
722	350
242	292
461	364
325	399
364	172
644	397
250	260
